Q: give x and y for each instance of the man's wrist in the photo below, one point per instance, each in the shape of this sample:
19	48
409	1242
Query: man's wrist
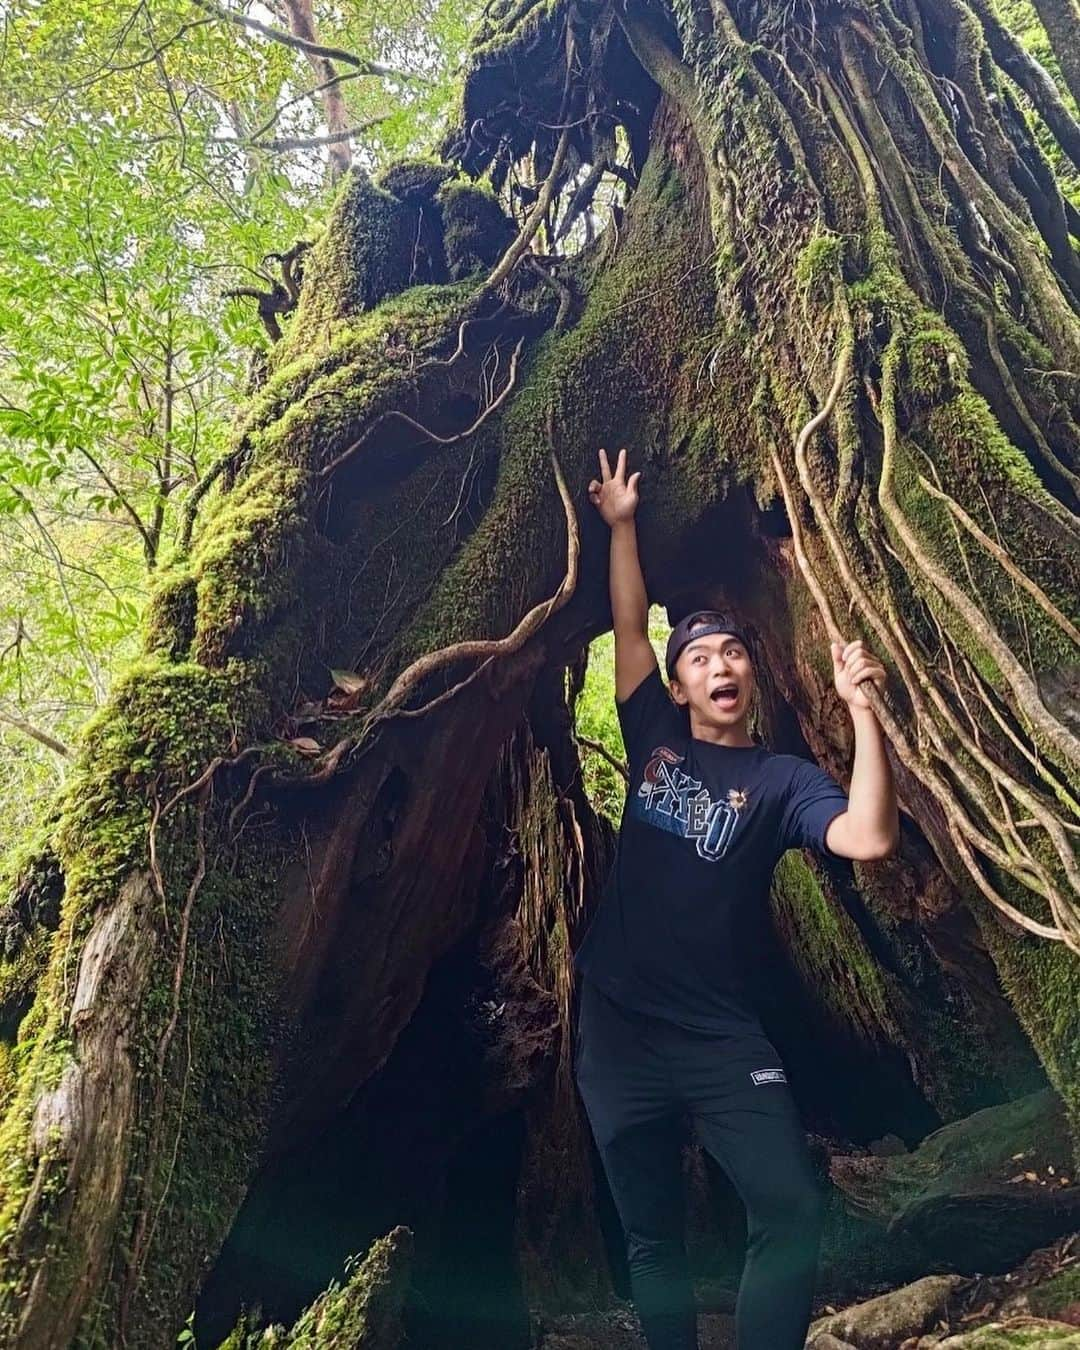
863	717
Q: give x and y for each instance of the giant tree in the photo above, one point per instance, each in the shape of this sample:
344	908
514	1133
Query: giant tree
814	265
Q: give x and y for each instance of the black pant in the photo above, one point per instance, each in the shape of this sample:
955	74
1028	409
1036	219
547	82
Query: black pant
637	1076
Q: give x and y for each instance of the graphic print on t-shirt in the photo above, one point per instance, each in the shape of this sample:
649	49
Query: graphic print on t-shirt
672	800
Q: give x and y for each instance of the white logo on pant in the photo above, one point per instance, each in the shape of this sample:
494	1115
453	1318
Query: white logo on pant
768	1076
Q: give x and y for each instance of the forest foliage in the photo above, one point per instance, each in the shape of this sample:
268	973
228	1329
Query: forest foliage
153	155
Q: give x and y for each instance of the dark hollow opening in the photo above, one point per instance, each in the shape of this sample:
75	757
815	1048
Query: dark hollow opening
414	1147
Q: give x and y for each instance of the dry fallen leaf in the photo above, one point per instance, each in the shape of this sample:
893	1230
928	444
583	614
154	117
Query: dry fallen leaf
306	745
349	681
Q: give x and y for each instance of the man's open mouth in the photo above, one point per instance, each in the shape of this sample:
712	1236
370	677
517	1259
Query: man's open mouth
724	695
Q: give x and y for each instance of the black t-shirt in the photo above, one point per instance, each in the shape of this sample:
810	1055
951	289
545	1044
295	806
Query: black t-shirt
682	926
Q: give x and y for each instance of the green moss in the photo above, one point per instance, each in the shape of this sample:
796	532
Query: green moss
361	258
936	360
819	263
162	725
965	426
7	1074
1058	1292
980	1146
637	325
995	1336
476	230
829	952
961	436
171	611
509	28
19	977
1042	981
365	1311
414	179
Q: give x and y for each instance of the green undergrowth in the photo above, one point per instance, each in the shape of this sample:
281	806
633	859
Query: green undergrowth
596	717
364	1311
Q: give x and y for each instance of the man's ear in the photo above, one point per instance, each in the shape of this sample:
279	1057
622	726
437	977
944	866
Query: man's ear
677	693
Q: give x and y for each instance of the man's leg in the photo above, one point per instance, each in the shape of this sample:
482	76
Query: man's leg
751	1126
625	1087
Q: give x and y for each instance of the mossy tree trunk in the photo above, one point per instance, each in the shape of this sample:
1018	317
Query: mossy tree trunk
837	324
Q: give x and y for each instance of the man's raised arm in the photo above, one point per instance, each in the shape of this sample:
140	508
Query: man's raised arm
616	499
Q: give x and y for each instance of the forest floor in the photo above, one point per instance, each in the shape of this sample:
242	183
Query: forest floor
1035	1305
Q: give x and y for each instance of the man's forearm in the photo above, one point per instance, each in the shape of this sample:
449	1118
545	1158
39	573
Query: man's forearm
629	599
872	806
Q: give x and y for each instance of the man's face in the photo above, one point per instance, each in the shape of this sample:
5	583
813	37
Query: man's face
714	676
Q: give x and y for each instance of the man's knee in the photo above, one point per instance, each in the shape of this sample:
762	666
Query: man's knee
793	1206
655	1254
808	1203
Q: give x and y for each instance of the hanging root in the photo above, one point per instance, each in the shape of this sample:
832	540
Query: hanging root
144	1229
935	742
995	550
960	826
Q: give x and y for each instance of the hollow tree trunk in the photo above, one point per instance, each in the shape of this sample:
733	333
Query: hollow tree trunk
834	214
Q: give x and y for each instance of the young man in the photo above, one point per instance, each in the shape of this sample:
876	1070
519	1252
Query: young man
666	1021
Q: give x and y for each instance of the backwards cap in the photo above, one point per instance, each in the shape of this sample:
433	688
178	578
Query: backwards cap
700	623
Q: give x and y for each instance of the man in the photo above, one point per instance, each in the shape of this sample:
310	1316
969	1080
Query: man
666	1020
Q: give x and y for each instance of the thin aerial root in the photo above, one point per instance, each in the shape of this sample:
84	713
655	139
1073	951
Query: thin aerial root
333	465
1019	576
535	218
1021	683
1027	872
1032	427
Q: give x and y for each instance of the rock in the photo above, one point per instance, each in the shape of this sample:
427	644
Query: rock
827	1341
978	1194
883	1323
1025	1334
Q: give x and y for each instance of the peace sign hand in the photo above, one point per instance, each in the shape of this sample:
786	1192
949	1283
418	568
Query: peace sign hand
612	494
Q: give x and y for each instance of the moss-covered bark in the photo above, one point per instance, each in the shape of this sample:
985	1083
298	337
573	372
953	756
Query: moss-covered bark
835	213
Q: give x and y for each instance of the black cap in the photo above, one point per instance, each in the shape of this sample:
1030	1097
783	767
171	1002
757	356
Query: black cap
700	623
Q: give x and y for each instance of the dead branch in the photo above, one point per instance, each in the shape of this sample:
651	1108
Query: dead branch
533	220
364	66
